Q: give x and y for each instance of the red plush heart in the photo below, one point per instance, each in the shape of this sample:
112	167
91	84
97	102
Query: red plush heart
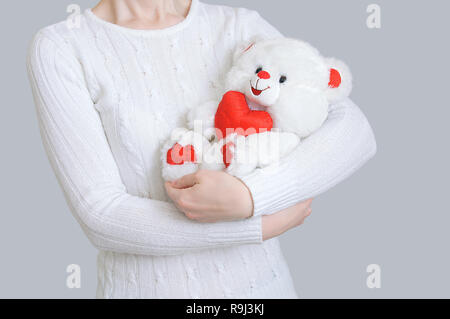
234	116
178	154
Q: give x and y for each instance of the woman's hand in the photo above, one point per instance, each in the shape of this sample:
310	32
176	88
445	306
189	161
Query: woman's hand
278	223
211	196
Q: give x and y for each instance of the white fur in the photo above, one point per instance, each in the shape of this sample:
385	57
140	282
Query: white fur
203	116
298	107
260	150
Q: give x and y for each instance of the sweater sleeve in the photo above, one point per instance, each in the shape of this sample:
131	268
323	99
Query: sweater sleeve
81	158
327	157
341	146
250	26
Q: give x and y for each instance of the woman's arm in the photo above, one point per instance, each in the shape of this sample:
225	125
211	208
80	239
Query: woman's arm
79	152
327	157
341	146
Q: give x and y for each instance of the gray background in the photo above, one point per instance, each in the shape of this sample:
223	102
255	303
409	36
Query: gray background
393	212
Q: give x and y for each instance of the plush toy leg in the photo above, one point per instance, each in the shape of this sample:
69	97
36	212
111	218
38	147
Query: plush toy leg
182	153
273	146
260	150
213	157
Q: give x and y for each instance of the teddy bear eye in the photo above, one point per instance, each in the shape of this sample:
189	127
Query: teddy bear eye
259	69
283	79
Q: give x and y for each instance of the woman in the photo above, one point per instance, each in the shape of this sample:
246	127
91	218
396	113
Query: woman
110	90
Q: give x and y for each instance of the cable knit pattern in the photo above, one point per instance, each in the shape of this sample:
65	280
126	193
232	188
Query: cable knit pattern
108	96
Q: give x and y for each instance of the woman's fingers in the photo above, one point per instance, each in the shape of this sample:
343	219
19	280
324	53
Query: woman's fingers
178	195
308	212
304	213
185	181
306	203
174	193
278	223
184	199
178	191
211	196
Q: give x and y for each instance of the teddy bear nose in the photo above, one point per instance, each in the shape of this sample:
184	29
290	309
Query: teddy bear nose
263	75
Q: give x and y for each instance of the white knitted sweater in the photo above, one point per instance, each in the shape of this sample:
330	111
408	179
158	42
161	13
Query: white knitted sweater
108	96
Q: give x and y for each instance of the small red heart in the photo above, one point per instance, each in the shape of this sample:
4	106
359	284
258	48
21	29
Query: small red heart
178	154
227	154
234	116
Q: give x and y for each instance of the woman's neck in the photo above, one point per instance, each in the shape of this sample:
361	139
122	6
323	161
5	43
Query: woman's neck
143	14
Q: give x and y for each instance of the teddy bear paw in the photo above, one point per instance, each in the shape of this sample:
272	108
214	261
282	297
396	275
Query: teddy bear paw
182	154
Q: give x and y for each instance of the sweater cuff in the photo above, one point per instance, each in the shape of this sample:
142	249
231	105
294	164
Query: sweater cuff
270	191
247	231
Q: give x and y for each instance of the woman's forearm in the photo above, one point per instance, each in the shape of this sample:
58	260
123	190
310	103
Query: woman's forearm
123	223
343	144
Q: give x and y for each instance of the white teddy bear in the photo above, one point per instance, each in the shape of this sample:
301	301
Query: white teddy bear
277	92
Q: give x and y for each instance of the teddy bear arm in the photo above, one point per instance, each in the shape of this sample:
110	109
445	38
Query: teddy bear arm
271	147
203	115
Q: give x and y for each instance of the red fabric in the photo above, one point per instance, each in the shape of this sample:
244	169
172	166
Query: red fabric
263	75
234	116
335	79
178	154
227	154
249	47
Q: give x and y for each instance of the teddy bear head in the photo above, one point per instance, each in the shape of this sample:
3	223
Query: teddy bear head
291	80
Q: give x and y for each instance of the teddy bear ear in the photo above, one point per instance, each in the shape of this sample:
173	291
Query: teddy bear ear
245	47
340	80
